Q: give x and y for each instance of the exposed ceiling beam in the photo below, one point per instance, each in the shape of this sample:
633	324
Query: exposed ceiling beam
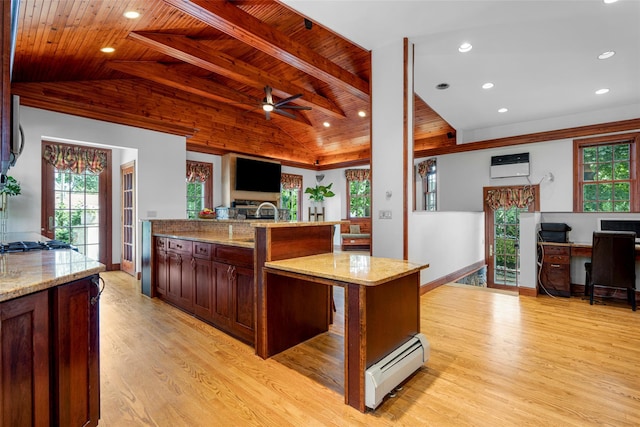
195	53
231	20
172	76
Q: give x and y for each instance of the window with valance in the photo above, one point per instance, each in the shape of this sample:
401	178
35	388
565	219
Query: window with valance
75	159
358	193
290	181
519	197
198	172
199	178
427	173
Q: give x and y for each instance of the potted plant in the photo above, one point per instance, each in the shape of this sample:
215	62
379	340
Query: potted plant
11	188
319	192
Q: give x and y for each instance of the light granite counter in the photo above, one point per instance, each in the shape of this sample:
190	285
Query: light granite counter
23	273
242	241
350	268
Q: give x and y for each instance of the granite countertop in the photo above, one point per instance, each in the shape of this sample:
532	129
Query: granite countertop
23	273
242	241
282	224
352	268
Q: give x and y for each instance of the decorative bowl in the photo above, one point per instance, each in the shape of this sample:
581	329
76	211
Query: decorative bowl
207	216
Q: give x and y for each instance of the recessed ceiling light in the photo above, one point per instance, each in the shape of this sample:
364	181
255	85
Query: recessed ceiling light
362	114
442	86
606	55
107	50
602	91
326	124
465	47
487	85
609	1
131	14
502	110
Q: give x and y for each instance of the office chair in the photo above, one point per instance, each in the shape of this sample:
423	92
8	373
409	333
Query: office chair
612	264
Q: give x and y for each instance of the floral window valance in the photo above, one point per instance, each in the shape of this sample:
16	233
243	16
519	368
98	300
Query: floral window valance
75	159
198	172
510	197
428	166
290	181
357	174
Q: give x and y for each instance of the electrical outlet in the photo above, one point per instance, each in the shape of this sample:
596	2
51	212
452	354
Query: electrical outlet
384	214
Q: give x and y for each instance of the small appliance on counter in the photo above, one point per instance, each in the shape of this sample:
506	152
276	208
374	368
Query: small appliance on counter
556	232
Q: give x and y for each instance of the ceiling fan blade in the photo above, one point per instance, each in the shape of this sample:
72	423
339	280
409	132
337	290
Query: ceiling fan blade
295	107
267	94
286	100
284	113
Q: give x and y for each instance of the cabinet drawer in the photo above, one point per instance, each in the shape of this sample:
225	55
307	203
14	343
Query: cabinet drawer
177	245
161	243
556	250
234	255
202	250
556	259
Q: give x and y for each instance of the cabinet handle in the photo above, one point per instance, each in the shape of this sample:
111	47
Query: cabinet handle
96	282
555	265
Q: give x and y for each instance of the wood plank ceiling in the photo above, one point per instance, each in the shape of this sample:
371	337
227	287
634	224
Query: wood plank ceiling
199	68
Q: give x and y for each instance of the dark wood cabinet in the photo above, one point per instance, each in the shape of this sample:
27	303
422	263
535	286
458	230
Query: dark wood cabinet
25	352
50	357
213	282
75	343
555	276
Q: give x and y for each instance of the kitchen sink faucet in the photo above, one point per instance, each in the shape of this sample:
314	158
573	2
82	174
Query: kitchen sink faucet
275	210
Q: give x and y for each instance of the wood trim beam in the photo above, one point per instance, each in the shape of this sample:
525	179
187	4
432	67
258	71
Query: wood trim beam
174	77
194	53
54	102
575	132
231	20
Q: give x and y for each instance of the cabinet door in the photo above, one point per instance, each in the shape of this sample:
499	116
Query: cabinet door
180	283
221	314
161	272
242	321
202	288
76	370
24	351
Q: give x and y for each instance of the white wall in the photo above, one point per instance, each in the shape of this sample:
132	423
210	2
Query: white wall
387	163
160	160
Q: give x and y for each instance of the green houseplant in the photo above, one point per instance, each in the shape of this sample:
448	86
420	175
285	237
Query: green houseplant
319	192
11	187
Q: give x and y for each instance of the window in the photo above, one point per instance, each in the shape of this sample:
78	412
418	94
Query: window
291	186
427	171
606	174
199	187
358	193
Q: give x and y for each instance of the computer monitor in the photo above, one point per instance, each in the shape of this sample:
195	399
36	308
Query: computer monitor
620	224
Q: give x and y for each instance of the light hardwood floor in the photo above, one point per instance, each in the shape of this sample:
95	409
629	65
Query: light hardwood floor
496	360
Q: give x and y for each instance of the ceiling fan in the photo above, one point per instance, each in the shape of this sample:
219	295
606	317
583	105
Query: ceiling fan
268	105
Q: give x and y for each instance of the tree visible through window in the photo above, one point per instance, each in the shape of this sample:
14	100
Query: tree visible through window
606	178
291	186
358	193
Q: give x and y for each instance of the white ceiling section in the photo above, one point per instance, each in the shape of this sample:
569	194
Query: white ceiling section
542	56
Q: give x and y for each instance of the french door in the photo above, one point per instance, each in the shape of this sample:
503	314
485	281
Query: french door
502	209
76	208
128	214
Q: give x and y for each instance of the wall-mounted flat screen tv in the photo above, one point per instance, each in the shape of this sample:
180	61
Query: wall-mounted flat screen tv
256	175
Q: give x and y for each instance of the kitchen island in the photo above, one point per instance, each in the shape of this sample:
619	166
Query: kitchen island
271	285
49	330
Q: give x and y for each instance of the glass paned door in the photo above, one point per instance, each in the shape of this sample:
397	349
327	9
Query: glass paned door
506	237
77	211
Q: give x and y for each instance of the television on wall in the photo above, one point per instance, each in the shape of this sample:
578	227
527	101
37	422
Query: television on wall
257	175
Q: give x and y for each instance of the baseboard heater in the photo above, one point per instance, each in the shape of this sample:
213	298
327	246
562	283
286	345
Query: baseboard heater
394	368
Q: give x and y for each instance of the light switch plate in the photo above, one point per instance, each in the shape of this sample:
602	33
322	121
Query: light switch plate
384	214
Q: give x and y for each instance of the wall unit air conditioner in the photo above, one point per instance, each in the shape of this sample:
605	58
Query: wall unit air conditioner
394	368
510	165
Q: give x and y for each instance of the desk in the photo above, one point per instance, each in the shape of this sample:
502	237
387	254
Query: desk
382	308
555	272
